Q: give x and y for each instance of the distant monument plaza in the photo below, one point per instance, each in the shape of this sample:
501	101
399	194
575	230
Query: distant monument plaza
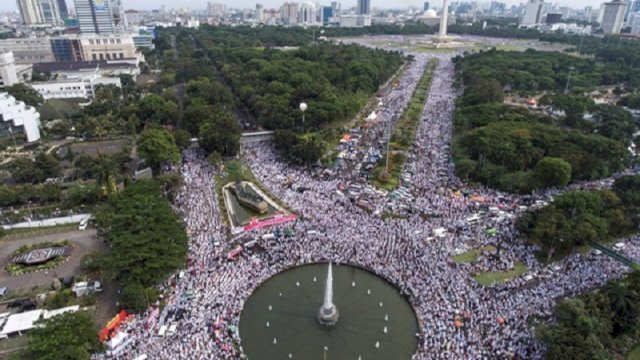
321	311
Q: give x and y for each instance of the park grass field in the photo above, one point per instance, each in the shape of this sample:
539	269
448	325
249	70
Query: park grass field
498	277
471	255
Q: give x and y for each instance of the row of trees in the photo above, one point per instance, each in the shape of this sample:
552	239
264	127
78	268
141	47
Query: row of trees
576	218
511	148
598	325
147	241
268	83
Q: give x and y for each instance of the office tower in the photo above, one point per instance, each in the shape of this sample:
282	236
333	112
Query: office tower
50	12
533	13
613	17
290	12
62	7
260	12
364	7
94	16
307	13
29	12
426	6
39	12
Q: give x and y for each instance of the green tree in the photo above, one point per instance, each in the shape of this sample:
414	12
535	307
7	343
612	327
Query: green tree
157	146
25	93
70	336
133	298
183	138
624	304
146	238
552	172
221	134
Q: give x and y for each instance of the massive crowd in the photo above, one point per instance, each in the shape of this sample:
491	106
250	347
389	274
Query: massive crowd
459	319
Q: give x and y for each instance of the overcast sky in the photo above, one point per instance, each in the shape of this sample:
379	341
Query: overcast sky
201	4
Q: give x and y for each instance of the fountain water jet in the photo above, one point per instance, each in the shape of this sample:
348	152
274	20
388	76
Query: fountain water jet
328	312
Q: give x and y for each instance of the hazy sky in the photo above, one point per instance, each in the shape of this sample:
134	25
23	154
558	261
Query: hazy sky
201	4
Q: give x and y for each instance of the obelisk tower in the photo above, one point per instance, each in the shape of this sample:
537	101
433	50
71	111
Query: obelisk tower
443	20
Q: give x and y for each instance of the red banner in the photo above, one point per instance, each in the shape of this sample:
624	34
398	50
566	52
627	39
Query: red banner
275	220
112	325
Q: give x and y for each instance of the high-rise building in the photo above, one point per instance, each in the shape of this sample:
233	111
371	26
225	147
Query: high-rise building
426	6
335	6
587	13
613	17
364	7
216	9
50	12
36	12
260	12
290	12
64	11
533	13
29	12
307	13
95	17
326	14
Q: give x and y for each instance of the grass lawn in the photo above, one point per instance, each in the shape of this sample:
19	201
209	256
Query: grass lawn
471	255
634	354
59	108
489	278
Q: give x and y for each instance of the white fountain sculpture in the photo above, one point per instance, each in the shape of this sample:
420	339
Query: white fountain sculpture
328	312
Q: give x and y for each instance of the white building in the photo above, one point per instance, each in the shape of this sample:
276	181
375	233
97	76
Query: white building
18	118
40	12
81	87
533	13
307	13
95	16
352	20
613	17
8	73
28	50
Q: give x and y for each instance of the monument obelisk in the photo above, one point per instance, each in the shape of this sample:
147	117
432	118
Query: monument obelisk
443	21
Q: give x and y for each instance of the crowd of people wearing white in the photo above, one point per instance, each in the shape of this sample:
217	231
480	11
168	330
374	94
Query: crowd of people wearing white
459	319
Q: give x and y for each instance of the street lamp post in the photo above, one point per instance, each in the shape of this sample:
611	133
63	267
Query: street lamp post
566	88
303	108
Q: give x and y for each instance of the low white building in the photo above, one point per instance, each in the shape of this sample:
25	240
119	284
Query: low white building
10	73
18	118
82	87
352	20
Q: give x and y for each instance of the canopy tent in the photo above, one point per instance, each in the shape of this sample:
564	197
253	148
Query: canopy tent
18	323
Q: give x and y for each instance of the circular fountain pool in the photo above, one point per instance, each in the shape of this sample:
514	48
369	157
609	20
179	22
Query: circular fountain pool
280	318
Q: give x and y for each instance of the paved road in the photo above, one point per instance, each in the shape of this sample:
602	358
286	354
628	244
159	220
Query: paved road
84	243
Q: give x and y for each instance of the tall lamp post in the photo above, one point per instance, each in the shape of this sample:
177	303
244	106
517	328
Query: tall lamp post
566	88
303	108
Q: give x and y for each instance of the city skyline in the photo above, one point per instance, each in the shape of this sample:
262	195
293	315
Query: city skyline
201	4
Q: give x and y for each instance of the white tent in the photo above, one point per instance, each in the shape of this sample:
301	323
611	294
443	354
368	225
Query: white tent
372	116
21	322
49	314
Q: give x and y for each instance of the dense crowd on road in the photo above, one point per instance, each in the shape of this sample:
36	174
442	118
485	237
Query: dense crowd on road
459	319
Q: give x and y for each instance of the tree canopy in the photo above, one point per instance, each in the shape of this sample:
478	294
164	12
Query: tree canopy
157	146
517	150
578	217
70	336
147	239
